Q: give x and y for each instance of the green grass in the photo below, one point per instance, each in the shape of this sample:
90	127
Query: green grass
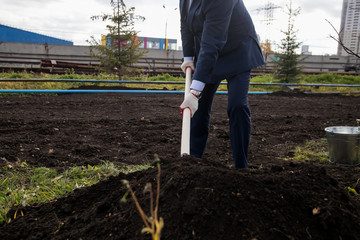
50	85
312	150
326	78
21	184
68	85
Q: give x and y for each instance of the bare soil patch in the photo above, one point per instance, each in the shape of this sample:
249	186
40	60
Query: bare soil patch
200	199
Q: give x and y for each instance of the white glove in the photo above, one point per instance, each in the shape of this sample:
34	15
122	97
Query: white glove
191	102
186	64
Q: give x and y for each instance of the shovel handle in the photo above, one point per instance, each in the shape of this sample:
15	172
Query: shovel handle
185	135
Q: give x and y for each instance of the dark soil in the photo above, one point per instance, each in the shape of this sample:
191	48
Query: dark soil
199	199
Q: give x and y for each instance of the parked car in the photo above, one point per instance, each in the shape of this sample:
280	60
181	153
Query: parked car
351	68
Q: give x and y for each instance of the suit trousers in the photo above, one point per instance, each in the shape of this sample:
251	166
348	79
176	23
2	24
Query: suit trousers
239	119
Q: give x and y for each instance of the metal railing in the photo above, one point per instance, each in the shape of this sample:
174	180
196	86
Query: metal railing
290	85
169	82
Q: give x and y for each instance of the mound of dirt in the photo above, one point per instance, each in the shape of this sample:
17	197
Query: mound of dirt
199	199
203	200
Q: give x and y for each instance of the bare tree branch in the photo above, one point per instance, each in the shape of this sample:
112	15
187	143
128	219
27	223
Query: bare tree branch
339	40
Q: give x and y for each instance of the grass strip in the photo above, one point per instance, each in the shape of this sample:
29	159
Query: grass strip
21	184
325	78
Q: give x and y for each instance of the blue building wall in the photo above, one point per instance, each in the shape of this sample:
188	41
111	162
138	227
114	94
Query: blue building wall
9	34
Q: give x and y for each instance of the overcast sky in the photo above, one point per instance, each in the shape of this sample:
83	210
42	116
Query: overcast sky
70	19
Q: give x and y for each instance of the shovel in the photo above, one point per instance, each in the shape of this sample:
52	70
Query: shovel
185	135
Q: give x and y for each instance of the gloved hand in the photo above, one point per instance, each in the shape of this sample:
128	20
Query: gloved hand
186	64
191	102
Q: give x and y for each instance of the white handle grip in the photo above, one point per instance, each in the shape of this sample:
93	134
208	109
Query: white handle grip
185	135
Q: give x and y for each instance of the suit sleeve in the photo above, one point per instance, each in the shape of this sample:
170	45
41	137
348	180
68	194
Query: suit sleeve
187	38
214	36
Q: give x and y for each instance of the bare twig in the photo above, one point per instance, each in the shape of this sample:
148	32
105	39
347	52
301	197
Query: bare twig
153	224
339	40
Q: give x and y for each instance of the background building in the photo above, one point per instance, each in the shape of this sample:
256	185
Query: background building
158	43
350	26
10	34
27	51
305	50
148	43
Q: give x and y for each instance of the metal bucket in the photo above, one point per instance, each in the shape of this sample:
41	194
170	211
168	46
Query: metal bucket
344	145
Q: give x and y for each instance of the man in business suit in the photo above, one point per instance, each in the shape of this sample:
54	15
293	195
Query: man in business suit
219	42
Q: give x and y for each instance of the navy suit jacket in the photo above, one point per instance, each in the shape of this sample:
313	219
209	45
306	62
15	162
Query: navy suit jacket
221	36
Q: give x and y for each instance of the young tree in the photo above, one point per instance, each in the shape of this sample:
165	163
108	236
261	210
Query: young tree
286	61
266	49
120	48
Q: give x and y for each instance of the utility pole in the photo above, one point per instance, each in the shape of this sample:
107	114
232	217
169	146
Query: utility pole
268	11
118	33
166	26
